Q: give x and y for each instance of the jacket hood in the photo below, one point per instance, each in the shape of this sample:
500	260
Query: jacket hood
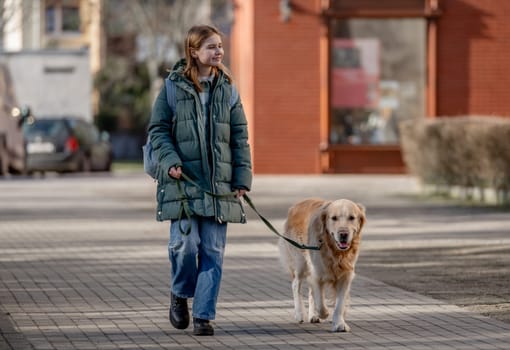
179	65
178	69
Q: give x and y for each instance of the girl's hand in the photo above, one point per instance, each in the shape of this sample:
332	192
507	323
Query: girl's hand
175	172
240	193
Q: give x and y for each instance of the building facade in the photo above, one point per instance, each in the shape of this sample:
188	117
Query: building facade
56	44
33	25
326	83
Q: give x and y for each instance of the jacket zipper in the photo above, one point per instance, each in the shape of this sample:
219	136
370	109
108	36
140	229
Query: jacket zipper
211	144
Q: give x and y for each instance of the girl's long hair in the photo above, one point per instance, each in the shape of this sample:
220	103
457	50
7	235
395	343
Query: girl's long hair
194	40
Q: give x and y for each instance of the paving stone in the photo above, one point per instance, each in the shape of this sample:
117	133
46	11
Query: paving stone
83	265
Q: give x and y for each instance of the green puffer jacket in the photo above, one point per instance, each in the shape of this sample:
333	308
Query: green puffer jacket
179	139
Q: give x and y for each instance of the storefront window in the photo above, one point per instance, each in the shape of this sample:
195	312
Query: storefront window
377	78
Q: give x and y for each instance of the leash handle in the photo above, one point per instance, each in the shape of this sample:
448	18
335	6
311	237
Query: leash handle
184	210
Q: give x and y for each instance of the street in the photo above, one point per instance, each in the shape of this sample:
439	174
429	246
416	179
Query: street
83	265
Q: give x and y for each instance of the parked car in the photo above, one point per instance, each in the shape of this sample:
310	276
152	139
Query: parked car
66	144
12	117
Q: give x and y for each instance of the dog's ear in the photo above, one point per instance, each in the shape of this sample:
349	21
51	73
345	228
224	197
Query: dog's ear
318	220
323	216
315	229
362	217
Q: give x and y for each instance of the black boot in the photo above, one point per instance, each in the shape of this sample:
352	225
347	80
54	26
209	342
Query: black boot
179	314
202	327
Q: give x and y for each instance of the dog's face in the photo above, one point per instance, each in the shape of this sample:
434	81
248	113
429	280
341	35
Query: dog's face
343	221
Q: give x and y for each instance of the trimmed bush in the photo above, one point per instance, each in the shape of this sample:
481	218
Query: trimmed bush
498	147
471	152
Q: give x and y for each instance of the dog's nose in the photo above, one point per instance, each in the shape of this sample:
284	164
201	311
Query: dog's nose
343	236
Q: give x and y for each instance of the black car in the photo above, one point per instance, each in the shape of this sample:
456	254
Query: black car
66	144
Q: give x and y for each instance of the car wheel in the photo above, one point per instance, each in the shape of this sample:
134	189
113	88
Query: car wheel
108	165
86	165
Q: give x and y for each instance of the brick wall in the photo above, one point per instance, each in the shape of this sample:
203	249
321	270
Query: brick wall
277	66
473	57
286	89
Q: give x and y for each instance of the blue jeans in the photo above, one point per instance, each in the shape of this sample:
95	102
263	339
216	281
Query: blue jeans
196	263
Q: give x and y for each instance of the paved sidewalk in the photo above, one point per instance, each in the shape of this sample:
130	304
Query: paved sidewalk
83	265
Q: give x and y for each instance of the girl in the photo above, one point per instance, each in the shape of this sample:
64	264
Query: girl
204	136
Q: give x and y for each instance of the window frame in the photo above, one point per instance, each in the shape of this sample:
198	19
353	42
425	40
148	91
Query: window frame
344	158
58	24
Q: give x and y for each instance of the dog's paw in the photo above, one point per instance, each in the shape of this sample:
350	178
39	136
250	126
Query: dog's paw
298	315
341	327
323	313
315	319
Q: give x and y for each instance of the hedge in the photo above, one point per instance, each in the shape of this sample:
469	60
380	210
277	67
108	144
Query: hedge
471	152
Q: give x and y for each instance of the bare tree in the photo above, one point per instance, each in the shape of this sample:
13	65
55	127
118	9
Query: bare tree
160	27
13	16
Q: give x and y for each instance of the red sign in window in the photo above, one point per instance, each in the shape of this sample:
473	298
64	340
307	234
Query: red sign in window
355	73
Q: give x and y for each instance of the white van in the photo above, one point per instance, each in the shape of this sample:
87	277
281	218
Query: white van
12	144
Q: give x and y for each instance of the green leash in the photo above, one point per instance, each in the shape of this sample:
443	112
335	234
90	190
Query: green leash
271	227
183	210
186	211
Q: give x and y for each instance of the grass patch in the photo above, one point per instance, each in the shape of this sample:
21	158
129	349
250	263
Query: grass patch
127	166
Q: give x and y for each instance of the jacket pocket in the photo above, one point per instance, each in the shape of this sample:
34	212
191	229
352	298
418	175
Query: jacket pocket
232	210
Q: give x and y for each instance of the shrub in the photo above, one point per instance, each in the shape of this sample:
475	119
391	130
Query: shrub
472	152
124	96
498	146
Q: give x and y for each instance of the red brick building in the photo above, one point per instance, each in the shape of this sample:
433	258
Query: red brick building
325	83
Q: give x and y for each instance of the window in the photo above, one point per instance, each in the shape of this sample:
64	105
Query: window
50	19
70	19
377	78
62	17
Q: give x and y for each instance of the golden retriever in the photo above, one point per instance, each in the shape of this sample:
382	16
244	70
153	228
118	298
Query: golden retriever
336	227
